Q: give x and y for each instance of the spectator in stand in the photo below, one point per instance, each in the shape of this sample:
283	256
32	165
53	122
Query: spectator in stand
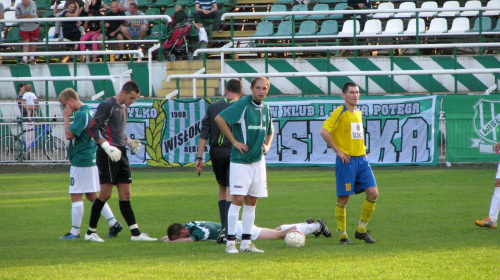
98	6
113	27
358	5
135	27
71	29
29	31
202	36
2	24
179	15
93	30
208	9
29	101
22	89
125	5
55	13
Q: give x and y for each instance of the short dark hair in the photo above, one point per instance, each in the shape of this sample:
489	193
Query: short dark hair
133	4
130	86
20	86
234	85
348	85
174	230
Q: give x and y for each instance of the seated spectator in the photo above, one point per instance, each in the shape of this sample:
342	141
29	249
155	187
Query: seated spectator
55	13
29	31
2	24
93	30
125	5
113	27
135	27
71	29
208	9
179	15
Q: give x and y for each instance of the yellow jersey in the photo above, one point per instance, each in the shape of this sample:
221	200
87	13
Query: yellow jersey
347	131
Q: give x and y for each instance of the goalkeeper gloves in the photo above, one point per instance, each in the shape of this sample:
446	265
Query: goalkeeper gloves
113	152
133	144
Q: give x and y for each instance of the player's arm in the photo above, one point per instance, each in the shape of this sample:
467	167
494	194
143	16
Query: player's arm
224	127
267	143
497	148
327	136
199	158
66	114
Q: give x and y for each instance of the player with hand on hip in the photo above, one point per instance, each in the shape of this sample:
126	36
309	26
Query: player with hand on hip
108	130
343	132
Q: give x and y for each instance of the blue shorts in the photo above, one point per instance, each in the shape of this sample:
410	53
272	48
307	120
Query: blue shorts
353	177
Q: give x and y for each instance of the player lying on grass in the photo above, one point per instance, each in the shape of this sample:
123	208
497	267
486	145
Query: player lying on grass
209	231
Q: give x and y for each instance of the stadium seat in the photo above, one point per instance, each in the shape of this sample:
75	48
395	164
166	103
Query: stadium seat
471	4
13	36
7	5
277	8
145	3
338	7
412	27
372	27
379	13
152	12
438	26
285	2
329	27
428	5
450	8
348	28
10	15
393	26
60	6
492	4
42	4
319	7
155	32
264	28
459	25
184	3
497	27
307	28
163	3
486	25
299	8
284	29
406	6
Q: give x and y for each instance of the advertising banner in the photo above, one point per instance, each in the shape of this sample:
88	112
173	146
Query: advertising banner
473	126
398	131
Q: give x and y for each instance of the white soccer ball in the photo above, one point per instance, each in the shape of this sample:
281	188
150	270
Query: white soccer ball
295	239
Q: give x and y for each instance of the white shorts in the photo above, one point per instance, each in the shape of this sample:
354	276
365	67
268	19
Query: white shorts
84	179
248	179
255	231
498	172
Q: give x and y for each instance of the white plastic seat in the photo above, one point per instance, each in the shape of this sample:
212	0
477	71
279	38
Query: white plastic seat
460	25
393	26
429	5
438	26
406	6
471	4
450	8
348	28
372	27
9	15
381	7
493	4
7	4
412	27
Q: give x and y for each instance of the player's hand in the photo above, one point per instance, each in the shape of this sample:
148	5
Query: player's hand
165	239
133	144
241	147
345	158
113	152
199	166
67	112
266	148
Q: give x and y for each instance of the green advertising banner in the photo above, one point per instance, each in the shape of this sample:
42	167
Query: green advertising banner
472	127
398	131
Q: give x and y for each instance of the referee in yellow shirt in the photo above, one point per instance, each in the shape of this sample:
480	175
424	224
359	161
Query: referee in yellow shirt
343	132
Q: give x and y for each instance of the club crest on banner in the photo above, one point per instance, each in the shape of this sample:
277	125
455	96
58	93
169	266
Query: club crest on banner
486	125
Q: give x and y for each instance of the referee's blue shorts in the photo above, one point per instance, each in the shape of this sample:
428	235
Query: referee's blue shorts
353	177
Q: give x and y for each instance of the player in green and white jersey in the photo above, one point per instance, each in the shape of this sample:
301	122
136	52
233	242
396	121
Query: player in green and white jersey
84	176
251	136
209	231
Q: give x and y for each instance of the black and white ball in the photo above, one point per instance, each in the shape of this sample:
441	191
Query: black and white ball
295	239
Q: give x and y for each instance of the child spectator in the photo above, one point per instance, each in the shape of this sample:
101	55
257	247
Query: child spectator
202	36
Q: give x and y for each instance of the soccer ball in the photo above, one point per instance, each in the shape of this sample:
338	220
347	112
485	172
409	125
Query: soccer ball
295	239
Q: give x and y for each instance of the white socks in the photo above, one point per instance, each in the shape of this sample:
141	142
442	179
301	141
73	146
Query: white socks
232	219
247	219
303	227
76	217
495	205
108	215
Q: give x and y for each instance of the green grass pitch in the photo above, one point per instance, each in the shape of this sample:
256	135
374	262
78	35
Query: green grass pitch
423	225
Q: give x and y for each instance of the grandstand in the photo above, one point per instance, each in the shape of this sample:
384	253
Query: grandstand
285	23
